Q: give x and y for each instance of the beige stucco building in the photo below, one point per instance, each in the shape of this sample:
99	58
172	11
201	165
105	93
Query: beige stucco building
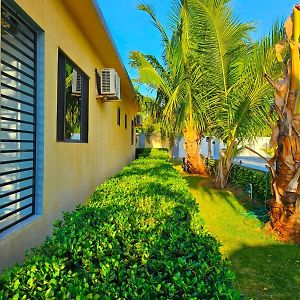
58	140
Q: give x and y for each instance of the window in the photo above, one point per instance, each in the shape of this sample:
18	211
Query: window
18	118
72	102
132	132
125	121
119	116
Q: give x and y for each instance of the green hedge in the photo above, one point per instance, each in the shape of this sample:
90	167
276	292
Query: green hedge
155	153
243	176
139	237
211	165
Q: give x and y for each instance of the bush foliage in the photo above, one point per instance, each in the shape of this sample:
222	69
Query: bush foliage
155	153
140	236
243	176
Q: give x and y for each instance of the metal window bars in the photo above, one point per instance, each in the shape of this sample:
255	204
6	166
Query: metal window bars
17	119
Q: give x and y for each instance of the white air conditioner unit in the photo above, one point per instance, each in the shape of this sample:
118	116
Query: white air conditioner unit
110	85
138	120
76	83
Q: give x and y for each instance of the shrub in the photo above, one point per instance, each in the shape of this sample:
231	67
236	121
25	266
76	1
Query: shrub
243	176
155	153
211	165
139	237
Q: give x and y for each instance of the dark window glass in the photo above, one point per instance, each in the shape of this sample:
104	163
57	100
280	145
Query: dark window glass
72	104
119	116
125	121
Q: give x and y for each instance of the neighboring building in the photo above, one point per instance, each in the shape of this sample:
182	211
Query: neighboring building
216	146
245	157
155	141
58	141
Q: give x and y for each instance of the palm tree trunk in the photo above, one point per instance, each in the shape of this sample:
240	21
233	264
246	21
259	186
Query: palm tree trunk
285	204
193	158
171	146
209	147
222	174
224	165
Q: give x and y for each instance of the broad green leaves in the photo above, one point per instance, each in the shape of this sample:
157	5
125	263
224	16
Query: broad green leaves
139	237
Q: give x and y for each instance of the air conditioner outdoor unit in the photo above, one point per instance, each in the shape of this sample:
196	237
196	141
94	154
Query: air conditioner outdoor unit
109	85
138	121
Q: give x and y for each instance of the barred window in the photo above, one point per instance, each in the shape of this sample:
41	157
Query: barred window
18	119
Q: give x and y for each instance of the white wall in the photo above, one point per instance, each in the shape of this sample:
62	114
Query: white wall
216	146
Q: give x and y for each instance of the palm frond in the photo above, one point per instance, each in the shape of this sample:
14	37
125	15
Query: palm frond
148	9
221	39
147	73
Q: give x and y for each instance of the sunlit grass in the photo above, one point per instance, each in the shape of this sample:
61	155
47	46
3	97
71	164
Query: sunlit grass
265	268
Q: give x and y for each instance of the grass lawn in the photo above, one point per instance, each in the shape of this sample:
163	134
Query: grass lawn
265	268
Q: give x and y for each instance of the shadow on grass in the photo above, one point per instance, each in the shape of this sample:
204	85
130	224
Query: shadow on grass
270	272
207	187
254	208
265	268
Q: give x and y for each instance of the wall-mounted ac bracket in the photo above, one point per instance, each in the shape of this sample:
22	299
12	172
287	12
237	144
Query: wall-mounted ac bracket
107	98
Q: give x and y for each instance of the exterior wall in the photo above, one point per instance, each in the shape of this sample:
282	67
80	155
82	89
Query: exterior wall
154	141
71	170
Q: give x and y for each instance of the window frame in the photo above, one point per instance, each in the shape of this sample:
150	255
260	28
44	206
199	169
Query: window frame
61	101
119	116
132	132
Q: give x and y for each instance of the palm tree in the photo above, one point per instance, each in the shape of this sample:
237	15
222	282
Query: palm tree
181	102
222	44
246	111
234	69
285	205
243	118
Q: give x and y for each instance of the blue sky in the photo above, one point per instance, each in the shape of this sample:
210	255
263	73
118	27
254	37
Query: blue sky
132	30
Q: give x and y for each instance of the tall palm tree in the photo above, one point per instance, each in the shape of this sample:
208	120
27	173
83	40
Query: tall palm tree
246	111
285	205
181	100
198	65
244	117
222	43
